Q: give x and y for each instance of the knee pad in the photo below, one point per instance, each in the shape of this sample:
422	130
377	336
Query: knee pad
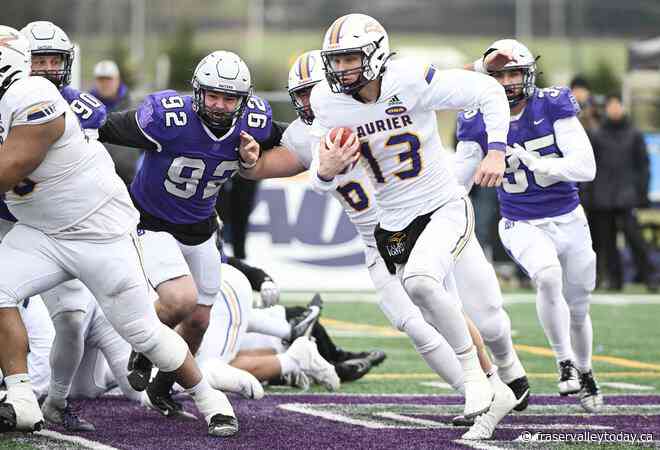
424	337
421	289
549	280
167	350
69	322
493	324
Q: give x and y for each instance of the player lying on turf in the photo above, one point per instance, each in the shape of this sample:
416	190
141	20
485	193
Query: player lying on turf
75	219
274	335
356	196
543	226
190	144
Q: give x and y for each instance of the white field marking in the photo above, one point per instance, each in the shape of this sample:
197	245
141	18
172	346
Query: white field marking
307	409
316	411
627	386
362	394
74	439
297	297
408	419
438	384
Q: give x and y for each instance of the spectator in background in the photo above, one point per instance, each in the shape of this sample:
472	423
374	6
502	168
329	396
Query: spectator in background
109	88
113	93
582	92
620	186
234	206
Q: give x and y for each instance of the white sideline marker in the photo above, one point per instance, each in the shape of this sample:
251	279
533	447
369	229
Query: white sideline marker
627	386
74	440
437	384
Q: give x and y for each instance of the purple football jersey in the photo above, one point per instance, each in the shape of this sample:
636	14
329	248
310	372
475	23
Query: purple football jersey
179	182
524	195
90	111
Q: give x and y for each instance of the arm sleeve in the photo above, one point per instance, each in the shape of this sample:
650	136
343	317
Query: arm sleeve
578	163
462	89
254	275
121	128
466	162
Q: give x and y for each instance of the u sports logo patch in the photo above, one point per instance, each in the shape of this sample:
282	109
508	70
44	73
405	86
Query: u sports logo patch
40	110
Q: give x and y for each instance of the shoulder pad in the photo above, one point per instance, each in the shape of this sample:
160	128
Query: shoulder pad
90	111
34	100
470	126
163	115
559	102
257	118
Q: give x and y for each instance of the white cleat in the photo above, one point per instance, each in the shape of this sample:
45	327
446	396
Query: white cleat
569	381
590	397
307	355
503	403
20	411
298	380
251	388
478	395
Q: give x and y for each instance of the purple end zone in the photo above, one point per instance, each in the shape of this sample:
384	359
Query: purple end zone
264	425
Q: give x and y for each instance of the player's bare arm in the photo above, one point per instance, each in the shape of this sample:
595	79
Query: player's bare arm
493	61
25	148
275	163
491	169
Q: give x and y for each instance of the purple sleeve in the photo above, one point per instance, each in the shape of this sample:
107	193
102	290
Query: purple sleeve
162	116
560	103
90	111
471	127
257	118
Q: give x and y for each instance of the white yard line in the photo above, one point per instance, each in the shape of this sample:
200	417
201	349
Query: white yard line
74	440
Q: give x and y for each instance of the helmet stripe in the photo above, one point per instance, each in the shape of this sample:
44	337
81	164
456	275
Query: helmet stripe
336	30
304	70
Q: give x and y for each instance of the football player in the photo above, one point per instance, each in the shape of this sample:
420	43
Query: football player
543	225
355	193
426	219
52	58
75	219
192	147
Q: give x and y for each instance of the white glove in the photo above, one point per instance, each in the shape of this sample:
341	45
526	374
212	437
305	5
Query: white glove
270	293
530	159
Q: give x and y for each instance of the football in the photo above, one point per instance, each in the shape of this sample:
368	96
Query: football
332	135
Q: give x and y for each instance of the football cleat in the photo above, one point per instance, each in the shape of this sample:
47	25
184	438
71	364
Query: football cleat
165	404
590	396
65	417
569	382
139	371
297	379
20	414
7	417
484	425
353	369
462	421
478	395
223	426
520	387
302	324
306	354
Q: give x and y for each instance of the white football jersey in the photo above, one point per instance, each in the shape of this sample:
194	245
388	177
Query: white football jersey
354	189
74	193
399	136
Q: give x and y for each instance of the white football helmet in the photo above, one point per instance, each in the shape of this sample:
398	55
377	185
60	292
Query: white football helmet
15	61
225	72
305	73
46	38
525	61
355	33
